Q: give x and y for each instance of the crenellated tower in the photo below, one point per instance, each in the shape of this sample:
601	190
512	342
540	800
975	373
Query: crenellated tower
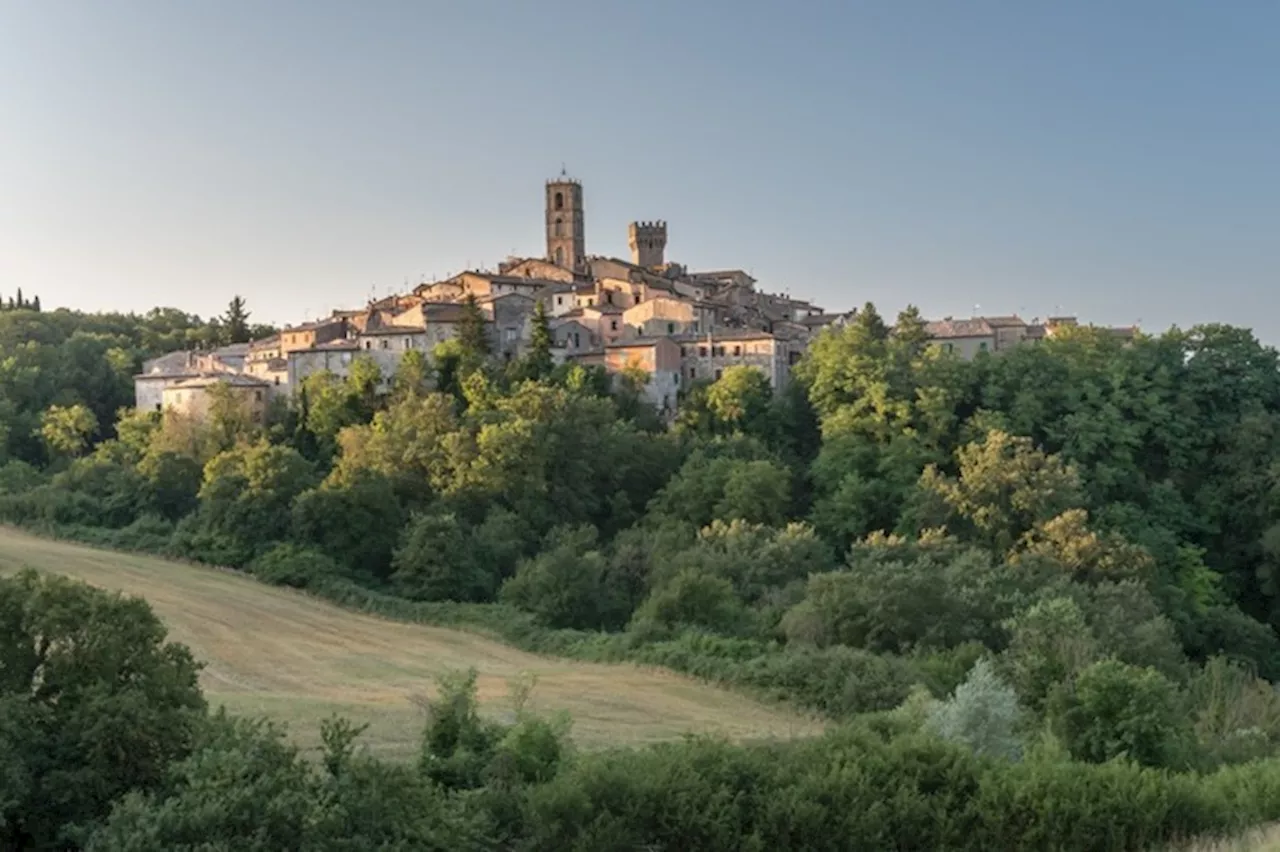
648	242
566	230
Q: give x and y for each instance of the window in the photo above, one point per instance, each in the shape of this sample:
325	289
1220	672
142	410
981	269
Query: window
408	343
613	325
718	374
558	229
608	296
737	350
577	341
702	351
693	372
948	347
157	406
590	302
560	300
257	396
559	200
368	344
559	256
671	328
982	347
277	381
384	343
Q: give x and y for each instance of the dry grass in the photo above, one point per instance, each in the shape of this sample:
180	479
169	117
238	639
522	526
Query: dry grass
278	653
1261	840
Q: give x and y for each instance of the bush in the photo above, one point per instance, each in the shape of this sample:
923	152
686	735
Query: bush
436	561
564	586
1112	709
692	598
983	714
291	565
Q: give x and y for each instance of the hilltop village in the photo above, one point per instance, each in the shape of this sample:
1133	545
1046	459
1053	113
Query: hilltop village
676	324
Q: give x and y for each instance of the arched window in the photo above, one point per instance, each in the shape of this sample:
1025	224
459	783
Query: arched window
558	228
559	200
559	256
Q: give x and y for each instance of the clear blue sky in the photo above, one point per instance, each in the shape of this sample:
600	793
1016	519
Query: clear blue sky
1118	161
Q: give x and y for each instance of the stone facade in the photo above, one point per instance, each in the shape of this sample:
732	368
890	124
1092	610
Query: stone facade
566	225
659	358
193	397
648	243
706	357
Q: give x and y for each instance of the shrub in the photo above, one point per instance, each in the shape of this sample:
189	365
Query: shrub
1112	709
564	585
292	565
983	714
436	561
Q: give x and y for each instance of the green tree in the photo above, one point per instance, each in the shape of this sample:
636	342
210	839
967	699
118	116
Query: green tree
412	376
473	335
93	704
537	361
436	561
67	430
1005	489
1049	643
564	586
982	714
235	321
740	400
1112	709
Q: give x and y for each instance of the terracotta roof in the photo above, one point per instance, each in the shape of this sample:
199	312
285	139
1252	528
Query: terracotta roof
953	328
639	342
1013	321
233	379
393	329
734	334
308	326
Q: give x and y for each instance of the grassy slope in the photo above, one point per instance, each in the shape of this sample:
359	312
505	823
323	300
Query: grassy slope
282	654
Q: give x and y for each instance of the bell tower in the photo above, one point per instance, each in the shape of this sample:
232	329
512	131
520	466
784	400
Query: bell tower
566	234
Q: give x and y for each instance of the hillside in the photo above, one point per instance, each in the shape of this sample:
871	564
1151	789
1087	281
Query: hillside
276	652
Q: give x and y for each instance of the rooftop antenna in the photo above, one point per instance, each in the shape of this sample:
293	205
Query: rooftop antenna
563	173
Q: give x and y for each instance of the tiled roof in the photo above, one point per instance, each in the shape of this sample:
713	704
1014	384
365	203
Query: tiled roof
639	342
734	334
392	329
233	379
953	328
1013	321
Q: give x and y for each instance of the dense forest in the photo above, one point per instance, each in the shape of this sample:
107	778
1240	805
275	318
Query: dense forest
1033	591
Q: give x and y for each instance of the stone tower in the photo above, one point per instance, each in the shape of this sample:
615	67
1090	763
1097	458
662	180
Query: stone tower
566	234
648	241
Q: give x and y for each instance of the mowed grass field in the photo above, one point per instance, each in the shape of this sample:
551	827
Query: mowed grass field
275	652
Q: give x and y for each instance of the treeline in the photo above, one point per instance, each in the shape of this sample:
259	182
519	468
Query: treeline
106	744
82	365
1079	538
18	302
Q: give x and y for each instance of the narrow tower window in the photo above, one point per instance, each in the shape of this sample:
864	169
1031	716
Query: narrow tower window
559	200
559	223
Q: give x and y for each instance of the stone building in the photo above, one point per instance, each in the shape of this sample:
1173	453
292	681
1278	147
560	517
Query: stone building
311	334
706	357
659	357
648	243
194	397
334	356
566	224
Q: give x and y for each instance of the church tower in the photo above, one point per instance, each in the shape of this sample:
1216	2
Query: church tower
566	234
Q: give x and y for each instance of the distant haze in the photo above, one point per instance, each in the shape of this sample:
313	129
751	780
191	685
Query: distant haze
1116	161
